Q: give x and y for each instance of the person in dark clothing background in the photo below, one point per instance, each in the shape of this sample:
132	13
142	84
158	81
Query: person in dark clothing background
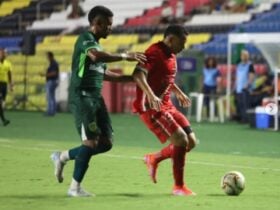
52	76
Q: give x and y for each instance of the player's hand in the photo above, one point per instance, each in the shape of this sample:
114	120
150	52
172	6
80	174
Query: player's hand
184	100
136	56
154	102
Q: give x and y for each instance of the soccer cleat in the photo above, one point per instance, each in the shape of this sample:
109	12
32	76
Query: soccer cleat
182	191
152	165
79	192
58	166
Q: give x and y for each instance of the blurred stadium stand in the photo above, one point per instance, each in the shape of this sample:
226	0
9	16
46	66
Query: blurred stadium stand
134	30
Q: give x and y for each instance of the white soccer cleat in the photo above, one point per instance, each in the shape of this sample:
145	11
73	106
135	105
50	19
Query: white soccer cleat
58	166
79	192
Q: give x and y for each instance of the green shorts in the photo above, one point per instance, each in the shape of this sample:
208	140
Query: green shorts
91	117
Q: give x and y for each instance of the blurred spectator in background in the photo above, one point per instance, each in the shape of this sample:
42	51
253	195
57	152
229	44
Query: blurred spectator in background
262	87
77	10
211	75
5	80
245	75
237	6
52	76
167	13
217	5
234	6
180	11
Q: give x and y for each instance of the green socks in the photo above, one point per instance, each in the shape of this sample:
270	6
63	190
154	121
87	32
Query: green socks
81	162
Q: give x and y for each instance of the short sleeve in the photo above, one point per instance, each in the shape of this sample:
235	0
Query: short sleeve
89	42
251	69
152	59
218	74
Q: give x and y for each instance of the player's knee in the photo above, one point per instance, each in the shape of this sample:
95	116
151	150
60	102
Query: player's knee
105	145
192	141
179	138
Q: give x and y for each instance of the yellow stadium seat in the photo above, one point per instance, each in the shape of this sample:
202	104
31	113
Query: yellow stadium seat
69	40
7	7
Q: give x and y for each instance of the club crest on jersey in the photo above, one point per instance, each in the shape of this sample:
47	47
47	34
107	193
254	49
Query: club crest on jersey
92	127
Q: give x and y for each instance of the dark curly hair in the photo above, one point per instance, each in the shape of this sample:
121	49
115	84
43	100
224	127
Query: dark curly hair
99	10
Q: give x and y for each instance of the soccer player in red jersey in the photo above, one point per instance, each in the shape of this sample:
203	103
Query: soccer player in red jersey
155	82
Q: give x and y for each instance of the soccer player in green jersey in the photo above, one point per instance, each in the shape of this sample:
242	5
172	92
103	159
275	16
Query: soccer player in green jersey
85	99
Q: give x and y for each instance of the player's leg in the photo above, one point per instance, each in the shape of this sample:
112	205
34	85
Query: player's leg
153	159
105	141
157	122
3	93
185	124
60	158
90	133
1	110
180	141
172	121
184	140
103	122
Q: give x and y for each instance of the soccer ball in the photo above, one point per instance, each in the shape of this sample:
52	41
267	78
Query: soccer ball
233	183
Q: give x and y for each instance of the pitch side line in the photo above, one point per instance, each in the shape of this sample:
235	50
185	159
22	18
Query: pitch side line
198	163
141	158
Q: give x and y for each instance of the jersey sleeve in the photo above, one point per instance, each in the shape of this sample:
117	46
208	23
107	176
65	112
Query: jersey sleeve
218	73
89	43
152	60
251	68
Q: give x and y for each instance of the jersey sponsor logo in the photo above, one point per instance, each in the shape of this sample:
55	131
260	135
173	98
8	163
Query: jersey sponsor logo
96	68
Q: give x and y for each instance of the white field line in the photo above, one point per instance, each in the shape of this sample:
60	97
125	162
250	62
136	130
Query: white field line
141	158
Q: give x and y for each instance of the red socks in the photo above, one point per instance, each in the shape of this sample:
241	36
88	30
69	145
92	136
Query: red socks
178	158
165	153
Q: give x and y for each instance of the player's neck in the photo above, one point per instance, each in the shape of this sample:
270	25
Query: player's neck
167	44
95	34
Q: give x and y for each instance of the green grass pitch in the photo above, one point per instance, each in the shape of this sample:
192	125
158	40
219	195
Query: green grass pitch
119	178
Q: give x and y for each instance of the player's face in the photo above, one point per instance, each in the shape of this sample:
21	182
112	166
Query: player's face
178	43
104	26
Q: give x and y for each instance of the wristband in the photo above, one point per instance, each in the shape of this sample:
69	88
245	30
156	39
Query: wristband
124	56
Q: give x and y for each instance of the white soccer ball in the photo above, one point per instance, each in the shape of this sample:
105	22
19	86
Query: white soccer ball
233	183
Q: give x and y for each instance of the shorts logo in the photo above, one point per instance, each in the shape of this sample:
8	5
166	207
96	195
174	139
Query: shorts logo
92	127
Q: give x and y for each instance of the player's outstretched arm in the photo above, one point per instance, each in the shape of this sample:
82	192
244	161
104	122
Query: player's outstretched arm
183	99
99	56
115	77
139	76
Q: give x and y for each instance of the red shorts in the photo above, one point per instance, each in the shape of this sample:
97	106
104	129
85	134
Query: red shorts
164	123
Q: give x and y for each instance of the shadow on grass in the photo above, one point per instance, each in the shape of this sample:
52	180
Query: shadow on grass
134	195
101	195
36	197
216	195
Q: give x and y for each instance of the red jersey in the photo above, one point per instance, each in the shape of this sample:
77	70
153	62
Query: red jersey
161	69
